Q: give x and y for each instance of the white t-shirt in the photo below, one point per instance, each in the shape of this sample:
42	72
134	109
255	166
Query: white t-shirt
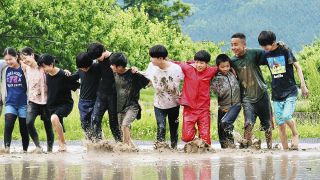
166	84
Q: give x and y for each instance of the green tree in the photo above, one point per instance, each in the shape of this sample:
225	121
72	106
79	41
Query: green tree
172	11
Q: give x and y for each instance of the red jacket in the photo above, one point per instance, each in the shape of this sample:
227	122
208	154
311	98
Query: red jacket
196	86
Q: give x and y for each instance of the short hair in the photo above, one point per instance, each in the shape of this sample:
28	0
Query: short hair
46	59
10	51
202	55
95	50
266	38
83	60
118	59
239	35
222	58
158	51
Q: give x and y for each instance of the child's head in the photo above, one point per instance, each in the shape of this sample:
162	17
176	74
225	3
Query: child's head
202	59
267	40
47	62
83	61
118	62
224	63
28	56
11	57
238	44
95	51
158	54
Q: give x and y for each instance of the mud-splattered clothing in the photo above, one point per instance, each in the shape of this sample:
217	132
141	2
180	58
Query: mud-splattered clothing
250	77
166	84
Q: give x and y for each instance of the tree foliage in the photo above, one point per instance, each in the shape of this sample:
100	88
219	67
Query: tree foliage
64	28
162	10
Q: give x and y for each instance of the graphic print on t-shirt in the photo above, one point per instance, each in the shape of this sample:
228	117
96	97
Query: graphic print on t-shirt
14	79
277	66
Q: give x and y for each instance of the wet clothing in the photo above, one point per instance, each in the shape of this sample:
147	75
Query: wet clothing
252	84
128	87
261	109
33	111
37	85
127	116
227	88
10	120
106	100
166	84
191	117
173	119
283	110
86	109
280	63
225	126
196	101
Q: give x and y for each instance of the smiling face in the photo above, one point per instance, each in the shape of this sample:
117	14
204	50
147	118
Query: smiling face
47	68
238	46
11	60
200	65
27	59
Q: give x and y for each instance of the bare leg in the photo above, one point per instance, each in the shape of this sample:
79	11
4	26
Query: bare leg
283	136
59	130
295	135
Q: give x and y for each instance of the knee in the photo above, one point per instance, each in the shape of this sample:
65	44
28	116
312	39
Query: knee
55	119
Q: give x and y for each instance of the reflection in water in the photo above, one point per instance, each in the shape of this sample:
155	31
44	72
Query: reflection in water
250	167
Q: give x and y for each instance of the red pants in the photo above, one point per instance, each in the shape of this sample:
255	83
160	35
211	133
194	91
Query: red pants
190	118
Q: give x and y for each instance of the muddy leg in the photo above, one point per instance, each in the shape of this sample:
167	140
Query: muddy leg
268	135
295	135
59	130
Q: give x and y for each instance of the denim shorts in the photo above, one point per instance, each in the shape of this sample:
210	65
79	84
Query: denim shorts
20	111
283	110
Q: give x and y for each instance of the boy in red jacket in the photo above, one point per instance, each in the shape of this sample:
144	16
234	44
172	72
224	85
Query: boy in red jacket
195	97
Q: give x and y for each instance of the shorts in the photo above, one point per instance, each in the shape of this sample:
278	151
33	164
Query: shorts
283	110
126	117
20	111
61	111
261	109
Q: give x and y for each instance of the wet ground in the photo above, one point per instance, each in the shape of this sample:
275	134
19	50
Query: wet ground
147	164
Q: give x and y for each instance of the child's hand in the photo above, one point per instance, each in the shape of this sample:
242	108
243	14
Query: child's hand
134	70
67	72
305	91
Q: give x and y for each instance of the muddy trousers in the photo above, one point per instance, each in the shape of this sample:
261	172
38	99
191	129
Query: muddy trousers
191	117
173	119
10	119
225	125
100	107
32	112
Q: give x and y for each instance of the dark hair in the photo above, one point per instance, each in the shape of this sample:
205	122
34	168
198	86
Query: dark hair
118	59
83	60
222	58
158	51
202	55
239	35
95	50
266	38
10	51
29	51
46	59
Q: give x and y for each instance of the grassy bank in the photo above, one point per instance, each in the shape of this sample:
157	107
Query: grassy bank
145	128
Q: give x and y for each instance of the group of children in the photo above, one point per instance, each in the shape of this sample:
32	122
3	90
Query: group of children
33	85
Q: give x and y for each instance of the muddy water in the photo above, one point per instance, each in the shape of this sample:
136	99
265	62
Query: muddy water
147	164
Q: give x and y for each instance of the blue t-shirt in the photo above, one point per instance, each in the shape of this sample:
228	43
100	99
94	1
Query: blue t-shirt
280	63
16	87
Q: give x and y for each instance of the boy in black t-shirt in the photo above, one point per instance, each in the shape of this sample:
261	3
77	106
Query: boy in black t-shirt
128	86
280	61
89	74
59	102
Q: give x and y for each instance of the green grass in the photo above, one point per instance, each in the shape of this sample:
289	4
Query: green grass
146	128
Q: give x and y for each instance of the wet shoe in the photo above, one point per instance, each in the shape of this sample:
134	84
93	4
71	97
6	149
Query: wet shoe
161	145
256	143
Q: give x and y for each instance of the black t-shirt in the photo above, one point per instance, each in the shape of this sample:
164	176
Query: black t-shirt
59	89
128	87
280	63
89	81
106	85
